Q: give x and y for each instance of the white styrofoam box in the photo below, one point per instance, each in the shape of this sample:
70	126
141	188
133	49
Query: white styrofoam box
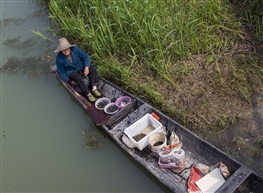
140	125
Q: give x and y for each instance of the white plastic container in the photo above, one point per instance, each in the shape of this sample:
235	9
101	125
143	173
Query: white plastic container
109	107
145	126
102	102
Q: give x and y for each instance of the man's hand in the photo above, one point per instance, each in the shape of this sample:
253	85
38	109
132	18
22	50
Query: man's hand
73	83
86	71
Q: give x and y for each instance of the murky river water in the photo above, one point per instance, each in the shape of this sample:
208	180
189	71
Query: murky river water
43	130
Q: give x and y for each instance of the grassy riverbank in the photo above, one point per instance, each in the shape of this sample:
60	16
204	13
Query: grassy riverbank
200	62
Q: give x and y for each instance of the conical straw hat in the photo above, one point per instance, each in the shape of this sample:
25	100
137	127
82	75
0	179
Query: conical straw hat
62	45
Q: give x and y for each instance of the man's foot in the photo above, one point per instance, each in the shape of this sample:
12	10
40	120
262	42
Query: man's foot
97	93
90	97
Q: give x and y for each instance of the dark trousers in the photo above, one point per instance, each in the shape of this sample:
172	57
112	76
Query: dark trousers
78	78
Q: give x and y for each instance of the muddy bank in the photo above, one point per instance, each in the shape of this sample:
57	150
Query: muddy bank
244	139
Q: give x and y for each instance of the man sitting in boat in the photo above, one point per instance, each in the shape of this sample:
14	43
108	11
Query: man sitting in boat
72	64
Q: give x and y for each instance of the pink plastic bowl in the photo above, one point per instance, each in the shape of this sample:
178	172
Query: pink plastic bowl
122	101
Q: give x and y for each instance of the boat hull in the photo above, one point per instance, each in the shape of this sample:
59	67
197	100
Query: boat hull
196	149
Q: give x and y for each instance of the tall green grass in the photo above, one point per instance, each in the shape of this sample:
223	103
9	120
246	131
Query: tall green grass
155	32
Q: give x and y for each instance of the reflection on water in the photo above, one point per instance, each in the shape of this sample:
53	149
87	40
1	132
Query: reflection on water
43	148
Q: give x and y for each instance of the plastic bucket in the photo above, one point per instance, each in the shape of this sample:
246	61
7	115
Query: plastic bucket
111	109
123	101
102	102
157	142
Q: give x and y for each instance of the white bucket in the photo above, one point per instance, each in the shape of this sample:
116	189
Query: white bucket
102	102
157	142
109	107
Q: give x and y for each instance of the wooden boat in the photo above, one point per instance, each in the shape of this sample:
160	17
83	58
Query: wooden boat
242	179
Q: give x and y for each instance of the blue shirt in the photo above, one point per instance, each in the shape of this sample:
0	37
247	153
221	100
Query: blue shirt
80	60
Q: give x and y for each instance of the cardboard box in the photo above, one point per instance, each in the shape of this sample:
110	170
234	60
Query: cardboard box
140	131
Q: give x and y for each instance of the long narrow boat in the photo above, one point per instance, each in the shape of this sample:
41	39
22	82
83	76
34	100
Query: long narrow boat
197	150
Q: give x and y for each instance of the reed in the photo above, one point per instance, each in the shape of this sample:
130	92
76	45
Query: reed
155	30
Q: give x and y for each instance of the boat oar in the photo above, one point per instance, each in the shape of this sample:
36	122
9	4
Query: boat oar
95	114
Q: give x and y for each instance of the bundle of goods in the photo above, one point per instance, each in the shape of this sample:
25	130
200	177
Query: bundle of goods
170	156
